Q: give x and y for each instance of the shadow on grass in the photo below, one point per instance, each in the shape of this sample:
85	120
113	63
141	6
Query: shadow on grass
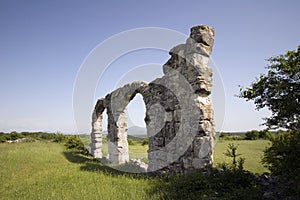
75	157
93	165
211	184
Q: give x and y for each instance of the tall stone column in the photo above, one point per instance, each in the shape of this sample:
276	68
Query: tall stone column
117	137
186	140
96	135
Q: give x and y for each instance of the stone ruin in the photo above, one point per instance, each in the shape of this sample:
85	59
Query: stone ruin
179	115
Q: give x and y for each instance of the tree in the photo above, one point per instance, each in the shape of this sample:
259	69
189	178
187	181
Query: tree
282	159
279	91
252	135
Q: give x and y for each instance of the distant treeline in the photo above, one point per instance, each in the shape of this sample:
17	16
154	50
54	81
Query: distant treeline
250	135
33	135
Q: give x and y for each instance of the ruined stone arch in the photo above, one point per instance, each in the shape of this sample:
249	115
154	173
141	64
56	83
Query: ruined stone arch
179	114
115	103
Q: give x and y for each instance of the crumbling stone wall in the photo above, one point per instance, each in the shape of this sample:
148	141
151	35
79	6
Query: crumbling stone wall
179	114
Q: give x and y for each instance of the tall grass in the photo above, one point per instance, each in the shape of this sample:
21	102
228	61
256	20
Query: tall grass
46	171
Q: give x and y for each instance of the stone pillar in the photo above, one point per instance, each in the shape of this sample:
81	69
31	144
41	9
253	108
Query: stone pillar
96	135
117	139
186	140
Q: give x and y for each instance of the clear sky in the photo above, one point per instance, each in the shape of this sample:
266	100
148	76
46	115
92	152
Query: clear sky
44	43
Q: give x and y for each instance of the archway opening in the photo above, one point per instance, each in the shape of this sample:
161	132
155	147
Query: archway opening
136	129
104	134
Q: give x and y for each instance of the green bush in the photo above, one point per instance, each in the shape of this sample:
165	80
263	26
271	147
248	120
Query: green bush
252	135
282	158
230	136
267	135
3	138
130	142
215	184
59	138
74	142
232	182
145	141
11	136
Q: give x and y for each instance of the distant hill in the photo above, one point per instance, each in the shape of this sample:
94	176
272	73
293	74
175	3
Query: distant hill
136	130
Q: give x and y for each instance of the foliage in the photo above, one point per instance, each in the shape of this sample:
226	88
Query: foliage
282	158
215	184
249	135
236	164
267	135
130	142
232	182
74	142
230	136
252	135
59	138
278	90
11	136
145	141
30	135
38	135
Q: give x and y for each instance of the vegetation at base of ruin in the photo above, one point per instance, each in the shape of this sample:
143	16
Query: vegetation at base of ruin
228	181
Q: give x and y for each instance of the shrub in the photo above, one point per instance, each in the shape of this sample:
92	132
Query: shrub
2	138
216	184
59	138
130	142
282	158
271	136
230	136
145	141
252	135
74	142
236	164
11	136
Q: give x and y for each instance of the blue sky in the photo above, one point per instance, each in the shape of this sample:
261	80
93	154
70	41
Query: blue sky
44	43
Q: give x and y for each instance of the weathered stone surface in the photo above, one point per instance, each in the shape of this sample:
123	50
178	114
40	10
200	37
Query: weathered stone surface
179	114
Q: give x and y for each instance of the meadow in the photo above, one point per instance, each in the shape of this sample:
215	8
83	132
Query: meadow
45	170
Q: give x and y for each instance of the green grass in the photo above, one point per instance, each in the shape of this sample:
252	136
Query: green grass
44	171
136	151
251	150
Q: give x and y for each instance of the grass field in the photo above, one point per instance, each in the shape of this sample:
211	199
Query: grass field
251	150
46	171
